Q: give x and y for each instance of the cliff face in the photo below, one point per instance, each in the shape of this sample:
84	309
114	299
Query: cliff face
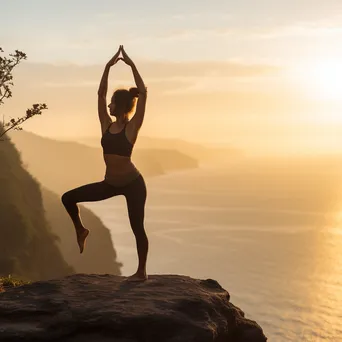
103	308
27	245
99	255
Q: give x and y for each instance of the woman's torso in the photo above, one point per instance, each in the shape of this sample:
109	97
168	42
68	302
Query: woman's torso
117	148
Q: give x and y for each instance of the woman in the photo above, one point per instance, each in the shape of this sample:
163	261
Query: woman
121	178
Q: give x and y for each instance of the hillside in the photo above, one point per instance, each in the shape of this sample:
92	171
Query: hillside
99	255
28	246
61	165
200	152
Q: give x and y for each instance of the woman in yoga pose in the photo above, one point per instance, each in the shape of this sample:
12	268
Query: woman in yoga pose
121	177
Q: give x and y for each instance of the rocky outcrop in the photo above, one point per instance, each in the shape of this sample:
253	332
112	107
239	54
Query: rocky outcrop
105	308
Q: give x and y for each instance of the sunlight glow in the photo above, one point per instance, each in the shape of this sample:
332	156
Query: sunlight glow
321	79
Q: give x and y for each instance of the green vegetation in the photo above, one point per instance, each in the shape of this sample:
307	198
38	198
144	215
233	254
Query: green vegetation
9	281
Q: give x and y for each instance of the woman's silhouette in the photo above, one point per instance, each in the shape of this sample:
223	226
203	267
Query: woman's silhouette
121	178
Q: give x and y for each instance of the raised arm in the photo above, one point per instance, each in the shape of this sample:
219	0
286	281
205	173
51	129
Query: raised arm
104	117
138	117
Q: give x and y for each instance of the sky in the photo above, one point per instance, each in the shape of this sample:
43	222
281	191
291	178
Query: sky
263	74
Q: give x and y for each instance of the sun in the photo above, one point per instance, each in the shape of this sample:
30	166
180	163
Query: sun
320	79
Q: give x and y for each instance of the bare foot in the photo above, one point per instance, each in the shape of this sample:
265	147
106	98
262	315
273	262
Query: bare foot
81	238
137	277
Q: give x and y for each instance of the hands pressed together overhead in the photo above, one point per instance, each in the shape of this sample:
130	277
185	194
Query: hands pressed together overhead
124	57
137	78
102	91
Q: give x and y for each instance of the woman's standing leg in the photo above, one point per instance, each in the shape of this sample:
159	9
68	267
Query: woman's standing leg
86	193
135	194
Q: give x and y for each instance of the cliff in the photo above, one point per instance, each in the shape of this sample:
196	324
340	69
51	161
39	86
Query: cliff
28	247
103	308
99	256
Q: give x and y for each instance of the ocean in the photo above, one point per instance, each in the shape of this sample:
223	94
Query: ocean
270	234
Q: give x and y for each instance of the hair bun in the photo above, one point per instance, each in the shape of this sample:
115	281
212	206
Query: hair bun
134	92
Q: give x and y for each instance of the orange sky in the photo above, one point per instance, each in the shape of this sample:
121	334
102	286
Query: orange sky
267	84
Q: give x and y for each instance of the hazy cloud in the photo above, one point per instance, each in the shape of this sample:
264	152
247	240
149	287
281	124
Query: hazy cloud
299	30
149	69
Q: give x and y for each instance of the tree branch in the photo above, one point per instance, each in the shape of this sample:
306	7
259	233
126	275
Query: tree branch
6	67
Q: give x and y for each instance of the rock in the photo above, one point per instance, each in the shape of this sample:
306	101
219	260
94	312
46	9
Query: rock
103	308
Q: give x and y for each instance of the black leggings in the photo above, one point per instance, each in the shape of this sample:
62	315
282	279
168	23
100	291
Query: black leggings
134	192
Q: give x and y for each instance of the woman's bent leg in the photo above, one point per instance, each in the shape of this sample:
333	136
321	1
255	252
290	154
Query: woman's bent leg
135	194
86	193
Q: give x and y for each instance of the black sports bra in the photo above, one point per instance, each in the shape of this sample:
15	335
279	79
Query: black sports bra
116	143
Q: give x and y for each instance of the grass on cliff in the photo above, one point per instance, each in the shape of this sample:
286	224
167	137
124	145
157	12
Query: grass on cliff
7	282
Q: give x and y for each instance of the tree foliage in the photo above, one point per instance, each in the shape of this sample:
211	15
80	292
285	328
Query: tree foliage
7	64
